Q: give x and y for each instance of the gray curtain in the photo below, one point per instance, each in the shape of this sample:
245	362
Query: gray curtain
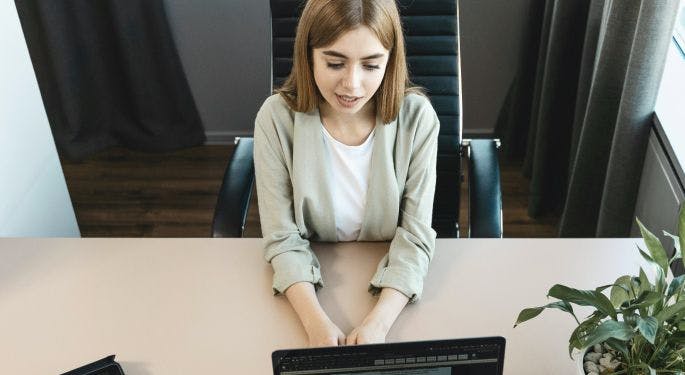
110	75
598	64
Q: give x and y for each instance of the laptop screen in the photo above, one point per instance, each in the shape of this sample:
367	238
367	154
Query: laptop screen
477	356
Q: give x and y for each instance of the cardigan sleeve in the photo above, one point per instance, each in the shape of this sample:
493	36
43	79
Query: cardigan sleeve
412	247
289	254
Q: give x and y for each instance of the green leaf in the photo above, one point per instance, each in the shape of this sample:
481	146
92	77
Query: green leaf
630	318
583	330
561	305
656	249
620	292
670	311
603	287
645	299
618	345
608	329
646	256
648	327
583	298
643	366
660	285
675	286
530	313
574	342
676	244
679	316
678	337
644	281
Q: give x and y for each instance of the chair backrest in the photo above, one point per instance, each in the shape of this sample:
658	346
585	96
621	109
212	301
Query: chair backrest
431	29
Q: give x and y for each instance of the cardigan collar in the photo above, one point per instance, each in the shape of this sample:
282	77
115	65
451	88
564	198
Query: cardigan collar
314	169
380	217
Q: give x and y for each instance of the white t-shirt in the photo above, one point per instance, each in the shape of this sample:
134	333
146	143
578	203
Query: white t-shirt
350	166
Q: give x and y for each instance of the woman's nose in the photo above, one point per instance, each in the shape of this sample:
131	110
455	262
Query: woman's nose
352	78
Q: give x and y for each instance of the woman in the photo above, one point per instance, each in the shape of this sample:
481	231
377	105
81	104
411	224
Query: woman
346	151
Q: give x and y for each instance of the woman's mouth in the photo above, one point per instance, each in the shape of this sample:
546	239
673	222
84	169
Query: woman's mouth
347	101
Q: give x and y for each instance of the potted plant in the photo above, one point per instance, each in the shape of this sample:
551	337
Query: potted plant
638	325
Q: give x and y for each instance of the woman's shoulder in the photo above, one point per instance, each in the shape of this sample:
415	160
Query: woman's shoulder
275	103
416	99
417	112
416	104
275	111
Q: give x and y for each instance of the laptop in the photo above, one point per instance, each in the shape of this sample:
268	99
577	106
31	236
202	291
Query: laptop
472	356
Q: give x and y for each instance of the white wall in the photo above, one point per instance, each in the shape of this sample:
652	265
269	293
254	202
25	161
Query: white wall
225	46
34	200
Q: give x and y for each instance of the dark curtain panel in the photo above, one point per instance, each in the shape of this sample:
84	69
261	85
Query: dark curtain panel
582	119
109	74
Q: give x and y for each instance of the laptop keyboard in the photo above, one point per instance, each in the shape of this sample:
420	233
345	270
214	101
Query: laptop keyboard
366	360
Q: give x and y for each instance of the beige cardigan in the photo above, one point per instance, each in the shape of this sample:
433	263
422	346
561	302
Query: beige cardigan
295	204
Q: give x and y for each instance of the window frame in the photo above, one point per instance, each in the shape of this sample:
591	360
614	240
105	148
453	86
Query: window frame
669	114
679	29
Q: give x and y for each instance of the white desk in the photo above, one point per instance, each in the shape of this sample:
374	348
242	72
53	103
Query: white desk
204	306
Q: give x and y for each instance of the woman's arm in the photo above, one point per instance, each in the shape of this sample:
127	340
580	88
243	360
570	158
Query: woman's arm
376	325
296	269
285	249
321	331
399	276
413	244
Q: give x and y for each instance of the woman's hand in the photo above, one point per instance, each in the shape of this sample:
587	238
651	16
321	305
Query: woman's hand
376	325
321	331
369	332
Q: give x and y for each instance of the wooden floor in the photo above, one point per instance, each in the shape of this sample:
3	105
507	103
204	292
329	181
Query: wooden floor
121	193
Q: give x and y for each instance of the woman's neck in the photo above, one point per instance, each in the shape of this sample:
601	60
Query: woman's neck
350	129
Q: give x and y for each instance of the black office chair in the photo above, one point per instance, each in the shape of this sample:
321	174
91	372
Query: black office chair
433	54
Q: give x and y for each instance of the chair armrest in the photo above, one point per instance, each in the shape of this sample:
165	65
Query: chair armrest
236	190
485	193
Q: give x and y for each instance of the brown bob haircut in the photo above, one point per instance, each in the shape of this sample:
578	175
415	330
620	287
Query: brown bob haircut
320	25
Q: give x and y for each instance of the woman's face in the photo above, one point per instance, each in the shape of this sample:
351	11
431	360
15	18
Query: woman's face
349	71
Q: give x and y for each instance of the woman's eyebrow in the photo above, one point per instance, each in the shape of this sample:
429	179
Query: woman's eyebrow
340	55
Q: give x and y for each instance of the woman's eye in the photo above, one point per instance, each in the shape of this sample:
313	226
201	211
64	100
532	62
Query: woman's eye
371	67
335	66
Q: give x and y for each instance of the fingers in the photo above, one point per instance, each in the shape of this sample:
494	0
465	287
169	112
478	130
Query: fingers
362	339
325	334
351	338
358	336
341	339
335	339
361	336
331	341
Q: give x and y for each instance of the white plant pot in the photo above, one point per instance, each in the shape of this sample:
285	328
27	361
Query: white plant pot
578	356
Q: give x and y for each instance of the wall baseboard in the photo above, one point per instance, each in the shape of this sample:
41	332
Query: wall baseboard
477	133
224	137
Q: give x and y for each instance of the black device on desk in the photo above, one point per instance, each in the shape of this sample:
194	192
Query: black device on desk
473	356
105	366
